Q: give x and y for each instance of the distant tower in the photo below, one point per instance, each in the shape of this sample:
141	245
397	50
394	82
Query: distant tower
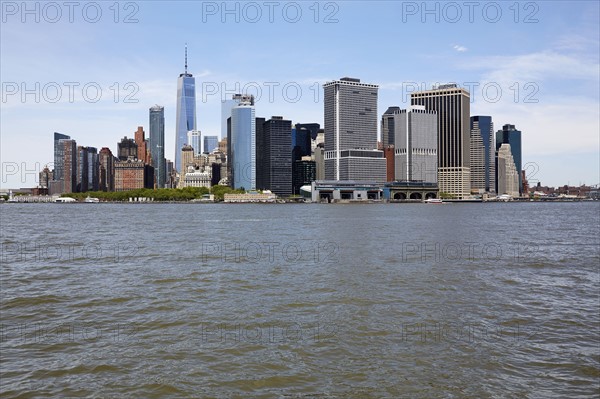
157	144
243	146
274	156
510	135
483	166
194	138
186	110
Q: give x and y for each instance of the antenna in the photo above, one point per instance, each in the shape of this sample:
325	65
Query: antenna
186	59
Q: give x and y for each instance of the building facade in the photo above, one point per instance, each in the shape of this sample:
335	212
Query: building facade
388	134
129	175
510	135
483	165
127	148
194	138
70	156
211	143
185	119
242	161
415	150
508	175
350	114
106	171
157	144
274	156
453	108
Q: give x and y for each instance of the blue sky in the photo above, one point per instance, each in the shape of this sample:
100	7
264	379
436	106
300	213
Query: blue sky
544	57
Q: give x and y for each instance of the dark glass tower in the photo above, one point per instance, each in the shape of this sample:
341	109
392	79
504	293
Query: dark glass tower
274	170
157	144
510	135
59	165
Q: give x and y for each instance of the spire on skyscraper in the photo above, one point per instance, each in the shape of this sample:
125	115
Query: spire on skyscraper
186	58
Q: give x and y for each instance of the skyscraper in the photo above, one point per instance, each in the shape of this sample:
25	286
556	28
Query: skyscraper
350	109
512	136
127	148
483	165
453	108
274	156
143	152
227	106
243	146
106	162
194	138
415	148
59	155
157	144
69	165
387	126
508	177
186	110
211	143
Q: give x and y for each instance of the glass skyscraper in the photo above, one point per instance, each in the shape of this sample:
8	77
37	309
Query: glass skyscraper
510	135
157	144
210	143
243	146
59	155
483	166
194	138
186	110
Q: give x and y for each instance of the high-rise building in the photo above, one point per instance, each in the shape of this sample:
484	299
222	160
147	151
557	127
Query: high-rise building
508	176
106	173
304	173
415	148
194	138
274	156
483	165
227	106
313	128
70	155
157	144
143	152
243	146
129	175
387	126
46	176
512	136
301	142
127	148
211	143
187	160
320	161
453	108
59	155
350	109
186	110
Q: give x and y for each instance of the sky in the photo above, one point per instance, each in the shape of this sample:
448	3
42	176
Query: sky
92	70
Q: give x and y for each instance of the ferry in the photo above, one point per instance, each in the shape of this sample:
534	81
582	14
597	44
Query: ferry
91	200
433	201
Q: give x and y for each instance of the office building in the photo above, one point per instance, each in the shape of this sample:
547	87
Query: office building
303	174
483	165
274	156
127	148
186	110
106	172
508	175
45	177
187	161
59	155
452	105
129	174
242	144
387	126
320	161
415	148
510	135
157	144
211	143
70	156
350	113
143	148
194	138
227	106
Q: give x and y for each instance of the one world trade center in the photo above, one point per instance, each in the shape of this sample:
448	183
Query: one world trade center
186	111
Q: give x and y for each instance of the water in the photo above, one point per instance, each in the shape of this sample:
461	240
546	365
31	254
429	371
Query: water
300	301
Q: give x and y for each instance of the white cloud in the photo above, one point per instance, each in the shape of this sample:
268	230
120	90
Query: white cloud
460	49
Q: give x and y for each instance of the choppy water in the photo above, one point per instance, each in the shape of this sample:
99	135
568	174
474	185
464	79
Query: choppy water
300	301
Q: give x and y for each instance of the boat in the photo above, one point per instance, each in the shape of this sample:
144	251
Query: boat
91	200
433	201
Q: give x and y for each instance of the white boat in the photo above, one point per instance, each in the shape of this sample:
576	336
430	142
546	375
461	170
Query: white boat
65	200
91	200
433	201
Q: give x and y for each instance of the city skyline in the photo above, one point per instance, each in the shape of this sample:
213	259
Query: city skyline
557	60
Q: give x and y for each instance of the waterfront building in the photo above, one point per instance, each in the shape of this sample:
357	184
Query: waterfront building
345	190
510	135
483	165
129	174
508	175
452	105
274	156
350	113
415	149
242	144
